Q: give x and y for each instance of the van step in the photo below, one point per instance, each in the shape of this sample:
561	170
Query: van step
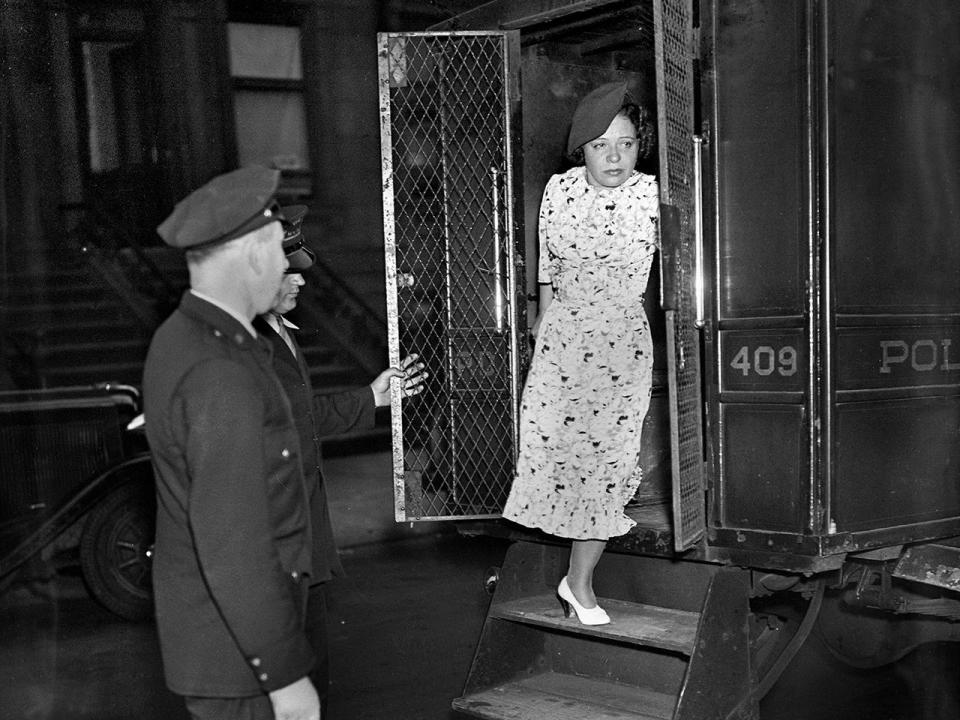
633	623
559	696
678	646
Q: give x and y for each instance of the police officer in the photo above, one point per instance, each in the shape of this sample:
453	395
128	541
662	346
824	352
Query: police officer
233	542
318	415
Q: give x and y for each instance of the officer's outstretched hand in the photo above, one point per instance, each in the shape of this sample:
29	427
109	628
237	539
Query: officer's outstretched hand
296	701
410	374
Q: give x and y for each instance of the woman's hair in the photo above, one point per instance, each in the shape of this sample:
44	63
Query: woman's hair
642	121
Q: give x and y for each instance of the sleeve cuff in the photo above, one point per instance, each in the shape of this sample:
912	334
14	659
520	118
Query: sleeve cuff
282	663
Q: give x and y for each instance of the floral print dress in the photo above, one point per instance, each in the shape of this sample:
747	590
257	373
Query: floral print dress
588	388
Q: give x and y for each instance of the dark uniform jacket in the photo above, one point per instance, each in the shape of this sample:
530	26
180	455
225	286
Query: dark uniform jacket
317	416
233	529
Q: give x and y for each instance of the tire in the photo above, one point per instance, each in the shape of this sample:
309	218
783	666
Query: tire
866	639
116	551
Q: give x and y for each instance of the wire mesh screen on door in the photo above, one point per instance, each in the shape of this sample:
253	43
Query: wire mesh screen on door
451	269
674	34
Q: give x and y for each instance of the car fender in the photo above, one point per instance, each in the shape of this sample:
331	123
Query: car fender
136	468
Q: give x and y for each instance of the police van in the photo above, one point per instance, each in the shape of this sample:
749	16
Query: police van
804	432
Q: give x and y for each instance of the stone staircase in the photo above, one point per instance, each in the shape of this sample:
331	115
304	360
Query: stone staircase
362	270
86	319
67	327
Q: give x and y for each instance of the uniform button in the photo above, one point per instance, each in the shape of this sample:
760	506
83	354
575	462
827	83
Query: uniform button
255	662
295	575
285	453
217	333
238	339
263	677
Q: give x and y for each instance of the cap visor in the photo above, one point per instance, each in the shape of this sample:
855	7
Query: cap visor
301	259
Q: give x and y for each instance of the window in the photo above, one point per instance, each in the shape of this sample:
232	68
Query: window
113	78
269	100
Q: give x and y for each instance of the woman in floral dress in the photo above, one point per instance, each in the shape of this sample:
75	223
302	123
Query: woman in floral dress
589	384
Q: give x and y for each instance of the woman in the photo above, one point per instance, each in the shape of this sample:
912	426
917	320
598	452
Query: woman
589	384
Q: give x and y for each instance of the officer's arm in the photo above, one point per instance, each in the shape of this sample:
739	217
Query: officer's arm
342	412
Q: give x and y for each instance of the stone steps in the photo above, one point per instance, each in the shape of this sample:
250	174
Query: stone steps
69	326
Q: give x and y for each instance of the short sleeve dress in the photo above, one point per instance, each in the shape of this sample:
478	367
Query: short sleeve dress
589	384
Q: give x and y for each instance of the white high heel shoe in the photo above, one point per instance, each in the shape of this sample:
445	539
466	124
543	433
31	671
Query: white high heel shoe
587	616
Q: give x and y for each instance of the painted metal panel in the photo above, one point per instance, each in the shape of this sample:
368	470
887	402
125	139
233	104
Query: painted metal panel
765	449
766	286
760	148
893	281
902	357
895	155
762	360
896	462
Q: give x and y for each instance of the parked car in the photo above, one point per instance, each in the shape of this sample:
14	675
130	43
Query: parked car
76	488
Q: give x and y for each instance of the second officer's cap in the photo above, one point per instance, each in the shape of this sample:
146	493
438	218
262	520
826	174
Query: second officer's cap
595	112
227	207
298	254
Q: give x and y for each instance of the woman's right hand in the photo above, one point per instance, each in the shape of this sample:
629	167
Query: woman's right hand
545	298
535	328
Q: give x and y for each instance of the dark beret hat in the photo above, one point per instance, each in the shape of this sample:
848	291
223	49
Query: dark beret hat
298	254
227	207
595	113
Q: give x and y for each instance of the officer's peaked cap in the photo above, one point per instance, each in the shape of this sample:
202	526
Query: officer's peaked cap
227	207
298	254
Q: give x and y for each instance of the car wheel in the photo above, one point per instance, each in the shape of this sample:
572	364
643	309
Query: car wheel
116	551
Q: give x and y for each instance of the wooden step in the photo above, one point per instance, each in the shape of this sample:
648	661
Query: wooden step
633	623
558	696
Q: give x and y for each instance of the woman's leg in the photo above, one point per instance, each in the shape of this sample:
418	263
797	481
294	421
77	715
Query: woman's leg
584	556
